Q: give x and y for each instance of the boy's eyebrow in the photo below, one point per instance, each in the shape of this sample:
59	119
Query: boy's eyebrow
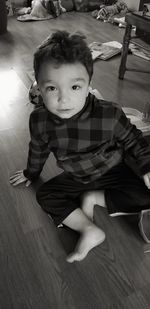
73	80
47	81
78	79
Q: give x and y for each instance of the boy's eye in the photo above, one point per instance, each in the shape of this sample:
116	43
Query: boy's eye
51	88
76	87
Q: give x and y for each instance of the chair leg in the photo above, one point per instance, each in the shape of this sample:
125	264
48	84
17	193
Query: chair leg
126	41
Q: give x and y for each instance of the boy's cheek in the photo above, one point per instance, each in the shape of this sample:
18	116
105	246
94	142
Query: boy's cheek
50	102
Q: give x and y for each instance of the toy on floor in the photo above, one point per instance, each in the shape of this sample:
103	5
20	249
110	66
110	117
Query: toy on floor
41	10
107	12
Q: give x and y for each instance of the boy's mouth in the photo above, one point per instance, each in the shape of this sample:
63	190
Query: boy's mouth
64	110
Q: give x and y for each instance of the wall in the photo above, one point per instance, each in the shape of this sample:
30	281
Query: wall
133	4
18	3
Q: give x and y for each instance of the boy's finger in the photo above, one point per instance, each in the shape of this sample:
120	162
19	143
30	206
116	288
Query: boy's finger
16	176
28	183
17	179
17	182
17	173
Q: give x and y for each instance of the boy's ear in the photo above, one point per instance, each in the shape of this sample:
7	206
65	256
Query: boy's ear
89	89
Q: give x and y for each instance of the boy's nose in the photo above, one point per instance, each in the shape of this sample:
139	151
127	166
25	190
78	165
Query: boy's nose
62	97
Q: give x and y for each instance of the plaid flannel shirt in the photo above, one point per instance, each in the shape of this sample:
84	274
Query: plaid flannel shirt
86	145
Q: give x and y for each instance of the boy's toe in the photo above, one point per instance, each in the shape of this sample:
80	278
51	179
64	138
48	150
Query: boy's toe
144	225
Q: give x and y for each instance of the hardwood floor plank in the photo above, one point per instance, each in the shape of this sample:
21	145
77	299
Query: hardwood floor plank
134	301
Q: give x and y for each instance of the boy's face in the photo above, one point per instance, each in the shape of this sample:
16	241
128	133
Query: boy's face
64	88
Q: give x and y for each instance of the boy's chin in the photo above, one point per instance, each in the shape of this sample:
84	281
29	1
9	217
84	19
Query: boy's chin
65	116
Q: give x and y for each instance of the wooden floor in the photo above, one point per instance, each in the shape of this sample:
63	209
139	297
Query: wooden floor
33	271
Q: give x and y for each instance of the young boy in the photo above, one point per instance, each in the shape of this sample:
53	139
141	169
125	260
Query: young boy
90	139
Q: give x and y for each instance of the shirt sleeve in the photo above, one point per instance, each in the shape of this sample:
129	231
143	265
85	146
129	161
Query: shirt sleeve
38	147
132	141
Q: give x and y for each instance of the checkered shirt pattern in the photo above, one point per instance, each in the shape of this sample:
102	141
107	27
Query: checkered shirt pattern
86	145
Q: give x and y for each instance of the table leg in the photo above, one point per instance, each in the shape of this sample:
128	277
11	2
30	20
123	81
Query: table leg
126	40
3	17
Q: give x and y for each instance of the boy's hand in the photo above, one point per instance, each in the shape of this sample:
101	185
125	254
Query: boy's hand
18	178
146	178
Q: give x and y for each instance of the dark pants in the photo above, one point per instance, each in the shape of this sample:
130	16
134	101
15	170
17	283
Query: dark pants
124	192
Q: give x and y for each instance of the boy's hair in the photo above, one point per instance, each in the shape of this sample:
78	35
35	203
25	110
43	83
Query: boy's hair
63	48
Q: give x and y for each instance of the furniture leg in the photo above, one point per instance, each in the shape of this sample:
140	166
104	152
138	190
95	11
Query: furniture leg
126	41
3	17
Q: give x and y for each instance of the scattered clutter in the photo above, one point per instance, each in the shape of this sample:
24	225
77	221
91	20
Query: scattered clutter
9	8
146	9
146	112
106	50
34	95
140	120
41	10
139	51
120	21
107	12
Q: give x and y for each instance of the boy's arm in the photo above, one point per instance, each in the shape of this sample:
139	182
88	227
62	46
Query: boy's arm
38	148
132	141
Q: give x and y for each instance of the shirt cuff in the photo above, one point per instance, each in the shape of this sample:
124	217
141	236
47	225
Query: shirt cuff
29	176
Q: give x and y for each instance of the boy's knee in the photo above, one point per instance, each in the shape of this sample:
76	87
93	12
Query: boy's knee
88	198
93	198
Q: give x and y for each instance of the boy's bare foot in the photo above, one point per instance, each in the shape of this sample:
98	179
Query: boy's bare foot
144	225
90	238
